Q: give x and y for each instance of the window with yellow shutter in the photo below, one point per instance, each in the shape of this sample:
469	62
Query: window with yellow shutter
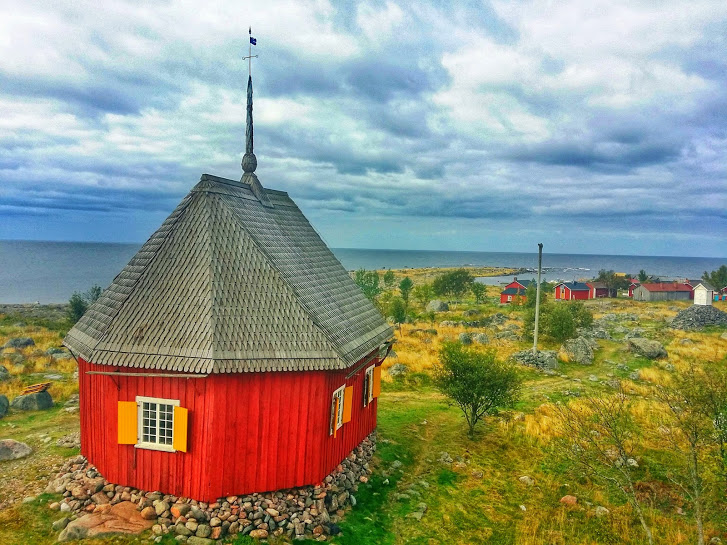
337	410
368	389
153	423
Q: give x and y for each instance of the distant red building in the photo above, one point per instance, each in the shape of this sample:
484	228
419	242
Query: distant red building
634	284
597	290
514	292
572	291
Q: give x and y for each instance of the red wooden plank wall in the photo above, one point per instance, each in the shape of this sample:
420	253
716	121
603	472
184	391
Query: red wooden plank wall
248	432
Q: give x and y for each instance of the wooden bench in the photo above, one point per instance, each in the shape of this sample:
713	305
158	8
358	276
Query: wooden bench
35	388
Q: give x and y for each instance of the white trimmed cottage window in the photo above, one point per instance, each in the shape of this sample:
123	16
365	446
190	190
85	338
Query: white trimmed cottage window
337	409
155	423
368	389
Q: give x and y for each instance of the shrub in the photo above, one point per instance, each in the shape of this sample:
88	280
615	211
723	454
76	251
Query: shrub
455	283
476	382
368	281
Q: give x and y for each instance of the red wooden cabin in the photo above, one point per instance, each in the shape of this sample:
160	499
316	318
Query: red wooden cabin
514	291
233	354
571	291
634	284
597	290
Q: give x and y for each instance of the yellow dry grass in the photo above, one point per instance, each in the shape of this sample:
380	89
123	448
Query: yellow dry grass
418	349
34	362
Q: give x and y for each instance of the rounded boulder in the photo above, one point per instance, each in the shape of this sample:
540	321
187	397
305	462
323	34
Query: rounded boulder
10	449
33	402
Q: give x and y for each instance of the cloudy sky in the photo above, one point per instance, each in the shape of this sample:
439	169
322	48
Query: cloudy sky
591	126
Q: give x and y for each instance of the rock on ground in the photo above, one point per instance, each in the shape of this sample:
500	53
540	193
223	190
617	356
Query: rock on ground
465	338
544	359
4	373
481	338
579	350
569	500
699	317
72	440
122	518
647	348
4	404
398	370
19	342
10	449
437	306
33	402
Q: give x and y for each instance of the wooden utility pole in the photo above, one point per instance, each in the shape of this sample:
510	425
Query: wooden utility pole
537	298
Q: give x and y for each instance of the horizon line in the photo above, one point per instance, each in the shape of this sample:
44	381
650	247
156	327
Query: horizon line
396	249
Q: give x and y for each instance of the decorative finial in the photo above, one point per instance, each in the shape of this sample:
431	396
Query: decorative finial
249	161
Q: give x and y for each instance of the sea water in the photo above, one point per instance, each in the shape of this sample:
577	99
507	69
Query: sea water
49	272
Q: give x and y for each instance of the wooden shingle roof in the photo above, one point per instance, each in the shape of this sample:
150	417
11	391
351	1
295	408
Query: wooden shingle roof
231	282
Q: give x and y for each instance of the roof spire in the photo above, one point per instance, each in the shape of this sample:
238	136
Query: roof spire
249	161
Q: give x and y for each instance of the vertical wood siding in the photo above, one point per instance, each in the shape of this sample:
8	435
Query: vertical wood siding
247	432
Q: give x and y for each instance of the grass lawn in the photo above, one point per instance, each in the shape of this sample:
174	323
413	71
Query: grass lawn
416	495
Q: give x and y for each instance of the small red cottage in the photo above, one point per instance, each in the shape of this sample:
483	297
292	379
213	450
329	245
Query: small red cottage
515	291
634	284
233	354
597	290
571	291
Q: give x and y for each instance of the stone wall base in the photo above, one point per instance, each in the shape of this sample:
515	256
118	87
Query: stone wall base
310	512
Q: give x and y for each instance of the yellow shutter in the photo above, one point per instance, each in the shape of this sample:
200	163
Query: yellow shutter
377	381
347	403
179	436
127	422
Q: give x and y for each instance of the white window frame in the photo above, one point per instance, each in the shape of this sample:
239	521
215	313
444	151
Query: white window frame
509	298
369	383
140	400
340	393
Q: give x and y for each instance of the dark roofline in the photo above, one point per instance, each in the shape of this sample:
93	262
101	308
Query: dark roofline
513	291
575	286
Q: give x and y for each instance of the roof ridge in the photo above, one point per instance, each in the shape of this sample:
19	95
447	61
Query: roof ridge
183	207
271	262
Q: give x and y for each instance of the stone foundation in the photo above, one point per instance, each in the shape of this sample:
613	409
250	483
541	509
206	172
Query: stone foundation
310	512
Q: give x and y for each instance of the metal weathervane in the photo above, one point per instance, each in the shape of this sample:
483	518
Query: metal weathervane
250	56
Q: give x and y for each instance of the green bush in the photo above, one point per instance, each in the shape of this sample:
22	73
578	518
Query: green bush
476	382
455	283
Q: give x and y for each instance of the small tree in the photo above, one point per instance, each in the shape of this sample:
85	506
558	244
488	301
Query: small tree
688	432
397	310
643	277
77	307
455	283
612	281
713	404
558	322
476	382
479	290
598	436
79	302
531	295
717	278
389	279
423	293
368	281
405	287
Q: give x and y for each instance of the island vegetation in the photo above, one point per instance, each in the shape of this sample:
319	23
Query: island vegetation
623	440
